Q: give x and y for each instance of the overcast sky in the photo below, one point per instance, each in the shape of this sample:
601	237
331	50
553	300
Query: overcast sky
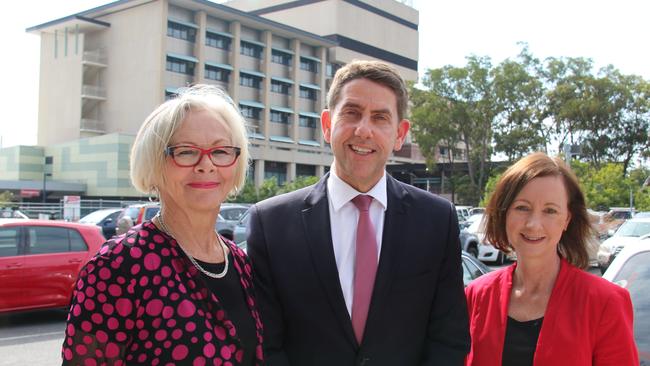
609	32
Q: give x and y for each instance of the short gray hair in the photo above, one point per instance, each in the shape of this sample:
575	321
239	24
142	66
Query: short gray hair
147	159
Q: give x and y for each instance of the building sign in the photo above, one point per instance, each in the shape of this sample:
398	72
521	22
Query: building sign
71	208
29	193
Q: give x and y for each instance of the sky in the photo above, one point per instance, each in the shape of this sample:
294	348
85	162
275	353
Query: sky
609	32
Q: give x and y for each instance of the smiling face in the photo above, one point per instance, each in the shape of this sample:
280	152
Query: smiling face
202	187
537	217
363	130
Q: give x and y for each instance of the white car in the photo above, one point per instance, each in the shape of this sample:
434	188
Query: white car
631	270
486	252
629	232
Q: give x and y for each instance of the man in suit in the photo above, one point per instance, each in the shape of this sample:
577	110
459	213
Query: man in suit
368	280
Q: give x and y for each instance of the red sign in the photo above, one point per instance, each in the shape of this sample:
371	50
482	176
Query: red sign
28	193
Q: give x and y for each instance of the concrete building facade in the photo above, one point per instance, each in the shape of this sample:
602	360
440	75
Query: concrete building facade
105	69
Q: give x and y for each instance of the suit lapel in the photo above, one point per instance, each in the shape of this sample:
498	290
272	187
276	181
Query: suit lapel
395	222
316	222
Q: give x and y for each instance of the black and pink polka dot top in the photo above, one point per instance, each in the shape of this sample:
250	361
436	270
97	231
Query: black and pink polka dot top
140	301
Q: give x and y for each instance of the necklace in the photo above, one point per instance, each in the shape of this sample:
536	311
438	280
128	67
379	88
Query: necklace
194	262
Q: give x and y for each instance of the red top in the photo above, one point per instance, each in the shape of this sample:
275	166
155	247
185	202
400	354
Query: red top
141	301
588	321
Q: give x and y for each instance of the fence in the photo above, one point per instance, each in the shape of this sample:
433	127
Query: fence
55	210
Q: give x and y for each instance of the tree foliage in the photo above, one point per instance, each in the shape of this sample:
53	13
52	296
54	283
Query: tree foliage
270	188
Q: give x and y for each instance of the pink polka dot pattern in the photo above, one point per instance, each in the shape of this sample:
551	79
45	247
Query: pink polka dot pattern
140	301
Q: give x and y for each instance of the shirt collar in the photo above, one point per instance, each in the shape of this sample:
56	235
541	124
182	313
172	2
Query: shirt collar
340	193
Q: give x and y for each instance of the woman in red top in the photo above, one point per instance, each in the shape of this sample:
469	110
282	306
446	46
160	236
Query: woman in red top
171	290
545	310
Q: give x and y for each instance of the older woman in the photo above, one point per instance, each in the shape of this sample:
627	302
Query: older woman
545	310
172	291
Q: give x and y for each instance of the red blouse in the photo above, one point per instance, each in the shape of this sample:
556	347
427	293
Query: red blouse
139	300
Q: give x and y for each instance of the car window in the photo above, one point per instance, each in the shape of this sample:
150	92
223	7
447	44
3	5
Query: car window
45	239
232	213
151	212
113	216
632	228
467	274
244	219
635	277
77	244
8	242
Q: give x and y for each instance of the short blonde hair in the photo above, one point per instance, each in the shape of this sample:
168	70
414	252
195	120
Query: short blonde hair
148	157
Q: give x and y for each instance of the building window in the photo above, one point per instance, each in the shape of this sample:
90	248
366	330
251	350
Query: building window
307	122
180	66
304	170
309	65
250	112
249	81
181	31
332	69
215	73
252	50
280	87
277	170
280	57
279	117
217	41
307	93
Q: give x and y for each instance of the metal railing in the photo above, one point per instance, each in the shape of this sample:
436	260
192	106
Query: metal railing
96	56
93	91
54	211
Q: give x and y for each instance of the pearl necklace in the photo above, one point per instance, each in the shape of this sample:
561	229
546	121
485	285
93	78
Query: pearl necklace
194	262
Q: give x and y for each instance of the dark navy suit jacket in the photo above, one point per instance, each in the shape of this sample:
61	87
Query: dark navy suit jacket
418	313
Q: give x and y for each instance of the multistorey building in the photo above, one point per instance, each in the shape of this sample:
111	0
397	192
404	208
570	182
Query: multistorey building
105	69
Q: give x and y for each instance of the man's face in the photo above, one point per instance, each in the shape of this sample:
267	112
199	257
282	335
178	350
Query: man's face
363	129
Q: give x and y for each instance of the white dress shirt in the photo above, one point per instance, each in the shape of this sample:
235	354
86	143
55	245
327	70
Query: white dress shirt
344	216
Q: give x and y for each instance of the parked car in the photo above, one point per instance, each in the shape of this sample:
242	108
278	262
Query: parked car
140	212
106	219
9	213
629	232
631	270
472	268
469	242
486	251
463	211
476	211
641	214
239	232
40	260
229	215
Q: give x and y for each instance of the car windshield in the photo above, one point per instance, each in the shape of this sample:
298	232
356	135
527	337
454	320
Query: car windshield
634	228
475	227
131	212
95	216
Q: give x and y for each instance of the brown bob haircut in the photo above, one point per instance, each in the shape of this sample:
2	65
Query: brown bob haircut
376	71
573	243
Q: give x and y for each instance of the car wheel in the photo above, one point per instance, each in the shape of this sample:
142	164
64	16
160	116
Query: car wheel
501	258
473	250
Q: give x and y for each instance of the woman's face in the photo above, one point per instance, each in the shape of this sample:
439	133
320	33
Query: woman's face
205	186
537	217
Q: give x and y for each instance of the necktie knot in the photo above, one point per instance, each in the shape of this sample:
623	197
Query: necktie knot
362	202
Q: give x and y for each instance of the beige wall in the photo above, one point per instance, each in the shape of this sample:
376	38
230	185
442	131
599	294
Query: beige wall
59	106
136	63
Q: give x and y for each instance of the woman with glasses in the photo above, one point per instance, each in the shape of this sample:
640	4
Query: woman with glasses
171	290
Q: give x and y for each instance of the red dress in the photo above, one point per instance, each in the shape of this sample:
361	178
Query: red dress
588	321
140	301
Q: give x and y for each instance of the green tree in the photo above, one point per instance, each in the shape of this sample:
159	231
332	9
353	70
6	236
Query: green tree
7	199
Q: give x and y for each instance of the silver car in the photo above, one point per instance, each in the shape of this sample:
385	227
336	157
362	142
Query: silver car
229	215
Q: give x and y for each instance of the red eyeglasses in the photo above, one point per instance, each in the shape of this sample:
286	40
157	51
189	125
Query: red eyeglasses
189	156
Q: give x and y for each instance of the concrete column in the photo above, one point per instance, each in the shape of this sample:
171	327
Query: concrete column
235	49
320	170
322	94
259	173
201	19
291	172
267	38
295	90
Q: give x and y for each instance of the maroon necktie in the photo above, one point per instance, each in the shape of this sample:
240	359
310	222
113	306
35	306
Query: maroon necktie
365	266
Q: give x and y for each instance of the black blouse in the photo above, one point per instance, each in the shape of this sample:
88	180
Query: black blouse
230	293
521	342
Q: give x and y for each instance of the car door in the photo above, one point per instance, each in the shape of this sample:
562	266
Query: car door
12	263
53	257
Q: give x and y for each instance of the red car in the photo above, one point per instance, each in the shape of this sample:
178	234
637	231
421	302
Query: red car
40	260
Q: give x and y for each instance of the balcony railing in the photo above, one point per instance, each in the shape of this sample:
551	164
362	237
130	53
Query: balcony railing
96	56
94	125
93	91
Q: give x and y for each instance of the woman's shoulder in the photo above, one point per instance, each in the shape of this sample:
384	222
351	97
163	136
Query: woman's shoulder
134	245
